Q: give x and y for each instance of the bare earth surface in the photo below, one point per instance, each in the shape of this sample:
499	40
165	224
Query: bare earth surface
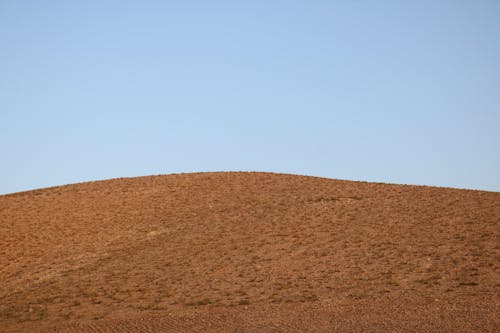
249	252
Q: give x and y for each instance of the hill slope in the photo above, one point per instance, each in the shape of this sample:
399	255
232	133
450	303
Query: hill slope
257	251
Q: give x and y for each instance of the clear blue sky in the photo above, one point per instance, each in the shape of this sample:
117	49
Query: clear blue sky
388	91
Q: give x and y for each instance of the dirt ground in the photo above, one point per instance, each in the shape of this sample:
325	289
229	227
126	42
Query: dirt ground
249	252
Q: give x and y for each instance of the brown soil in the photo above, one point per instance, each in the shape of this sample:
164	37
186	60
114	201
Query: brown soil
249	252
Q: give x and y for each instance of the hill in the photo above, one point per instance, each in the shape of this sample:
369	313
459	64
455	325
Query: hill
249	252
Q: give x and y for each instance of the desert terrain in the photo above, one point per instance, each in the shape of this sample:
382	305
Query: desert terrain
249	252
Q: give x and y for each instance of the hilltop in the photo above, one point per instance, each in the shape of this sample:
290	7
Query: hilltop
249	252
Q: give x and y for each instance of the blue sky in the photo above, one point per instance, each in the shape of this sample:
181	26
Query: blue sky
387	91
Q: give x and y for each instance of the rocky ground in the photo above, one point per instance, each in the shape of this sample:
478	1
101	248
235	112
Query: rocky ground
249	252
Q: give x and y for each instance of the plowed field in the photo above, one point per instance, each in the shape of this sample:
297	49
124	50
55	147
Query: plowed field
249	252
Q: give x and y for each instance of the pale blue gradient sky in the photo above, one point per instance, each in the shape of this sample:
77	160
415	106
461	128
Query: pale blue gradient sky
388	91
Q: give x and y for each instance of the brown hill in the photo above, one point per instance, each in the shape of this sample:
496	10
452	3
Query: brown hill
249	252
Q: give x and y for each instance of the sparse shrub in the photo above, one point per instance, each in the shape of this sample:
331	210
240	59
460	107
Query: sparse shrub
244	302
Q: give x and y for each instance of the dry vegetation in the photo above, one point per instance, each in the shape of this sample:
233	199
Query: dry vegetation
249	252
